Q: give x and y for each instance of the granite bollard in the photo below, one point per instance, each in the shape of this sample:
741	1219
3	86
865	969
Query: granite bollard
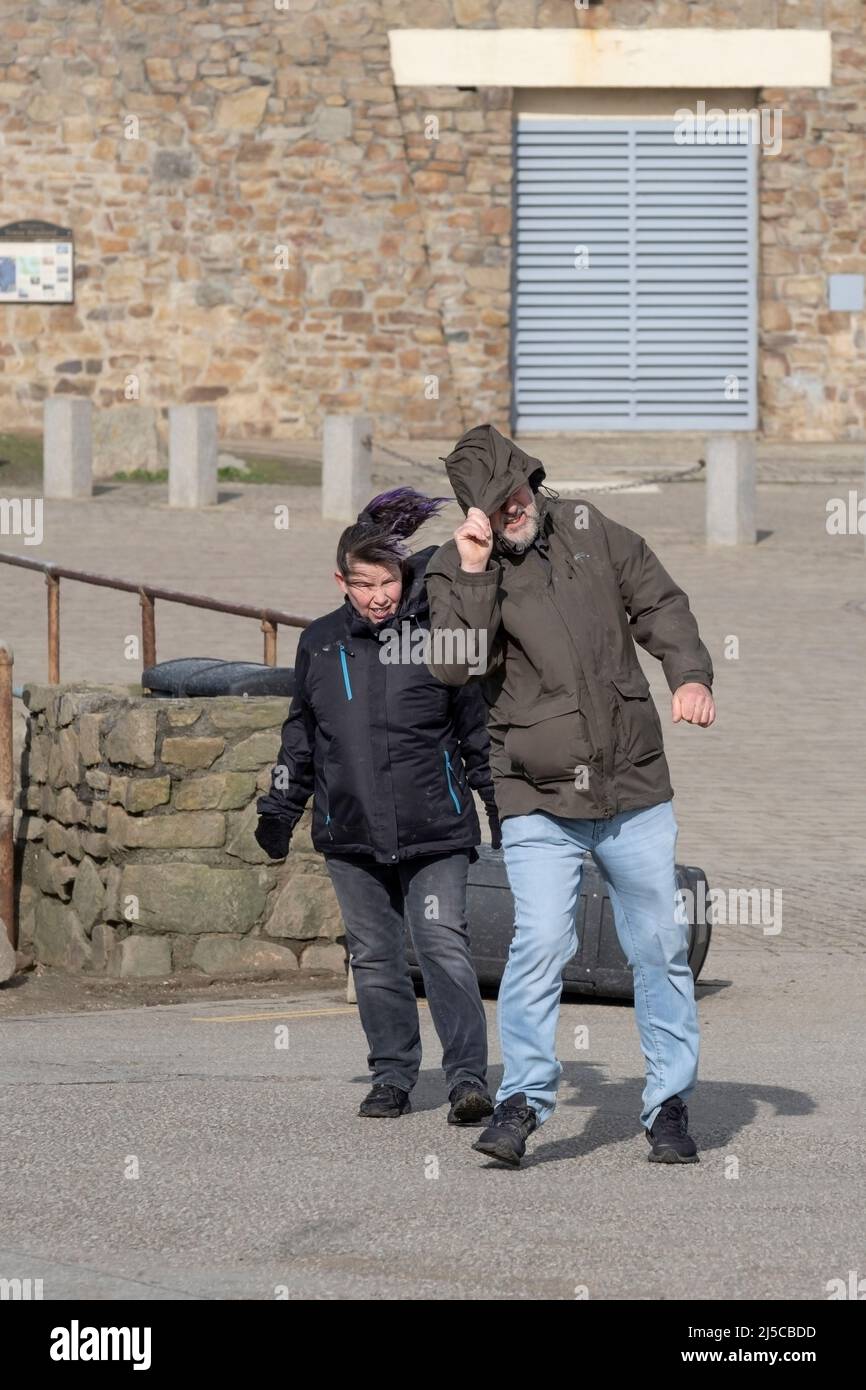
67	460
192	456
730	501
346	454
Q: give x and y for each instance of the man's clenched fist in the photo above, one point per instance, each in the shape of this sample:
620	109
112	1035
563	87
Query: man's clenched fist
694	703
474	541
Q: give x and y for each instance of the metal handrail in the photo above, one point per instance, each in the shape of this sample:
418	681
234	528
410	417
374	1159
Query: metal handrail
270	618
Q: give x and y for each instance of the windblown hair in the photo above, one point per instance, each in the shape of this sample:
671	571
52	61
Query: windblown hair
377	537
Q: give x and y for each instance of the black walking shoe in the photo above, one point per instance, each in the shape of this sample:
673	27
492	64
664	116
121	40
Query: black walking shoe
470	1103
669	1136
385	1103
505	1137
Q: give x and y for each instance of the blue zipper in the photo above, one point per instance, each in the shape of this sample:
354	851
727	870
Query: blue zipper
347	683
454	797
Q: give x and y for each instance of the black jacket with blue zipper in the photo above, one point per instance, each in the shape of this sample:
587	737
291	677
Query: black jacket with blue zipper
389	753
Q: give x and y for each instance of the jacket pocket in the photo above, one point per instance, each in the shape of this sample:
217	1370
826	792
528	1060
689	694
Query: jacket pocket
322	805
549	742
640	730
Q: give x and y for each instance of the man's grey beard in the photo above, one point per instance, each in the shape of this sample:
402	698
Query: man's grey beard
518	547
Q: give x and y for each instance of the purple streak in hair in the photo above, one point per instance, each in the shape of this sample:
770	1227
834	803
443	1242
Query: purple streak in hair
402	510
384	524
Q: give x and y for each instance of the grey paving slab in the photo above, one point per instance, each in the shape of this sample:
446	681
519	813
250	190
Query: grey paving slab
255	1178
254	1173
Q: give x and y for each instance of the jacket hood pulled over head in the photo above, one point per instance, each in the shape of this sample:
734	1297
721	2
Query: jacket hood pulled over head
484	468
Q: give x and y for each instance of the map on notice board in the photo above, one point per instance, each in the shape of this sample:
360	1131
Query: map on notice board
35	263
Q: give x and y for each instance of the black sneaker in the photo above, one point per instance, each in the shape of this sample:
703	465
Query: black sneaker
470	1103
385	1103
505	1137
669	1136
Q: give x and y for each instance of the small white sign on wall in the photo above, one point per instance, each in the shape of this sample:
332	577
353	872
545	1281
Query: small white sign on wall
36	263
846	293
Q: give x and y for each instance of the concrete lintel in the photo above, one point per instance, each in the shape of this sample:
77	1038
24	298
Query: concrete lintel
611	57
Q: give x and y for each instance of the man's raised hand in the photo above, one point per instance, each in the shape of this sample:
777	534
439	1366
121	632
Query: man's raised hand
474	541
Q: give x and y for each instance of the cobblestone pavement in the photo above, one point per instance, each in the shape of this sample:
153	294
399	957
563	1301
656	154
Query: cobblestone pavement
770	798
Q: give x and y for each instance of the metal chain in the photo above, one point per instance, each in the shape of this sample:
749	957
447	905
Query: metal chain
654	478
404	458
694	469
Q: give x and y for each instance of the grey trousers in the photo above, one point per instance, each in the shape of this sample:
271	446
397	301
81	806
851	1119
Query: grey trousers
432	891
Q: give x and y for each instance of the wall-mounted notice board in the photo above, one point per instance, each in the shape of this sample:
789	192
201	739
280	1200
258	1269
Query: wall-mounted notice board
35	263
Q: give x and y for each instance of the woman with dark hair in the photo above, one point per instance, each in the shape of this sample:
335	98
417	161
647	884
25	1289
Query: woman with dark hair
389	754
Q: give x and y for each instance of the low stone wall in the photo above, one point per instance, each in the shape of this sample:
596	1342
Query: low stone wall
135	838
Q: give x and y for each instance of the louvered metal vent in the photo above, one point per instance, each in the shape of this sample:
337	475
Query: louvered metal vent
634	278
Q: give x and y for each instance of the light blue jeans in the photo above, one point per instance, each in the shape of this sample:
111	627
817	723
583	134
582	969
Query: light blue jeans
636	854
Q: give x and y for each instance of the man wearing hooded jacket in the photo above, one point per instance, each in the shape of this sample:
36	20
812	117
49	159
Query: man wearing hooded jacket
557	594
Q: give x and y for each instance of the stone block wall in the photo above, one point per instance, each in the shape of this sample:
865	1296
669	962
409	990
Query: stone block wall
261	221
135	839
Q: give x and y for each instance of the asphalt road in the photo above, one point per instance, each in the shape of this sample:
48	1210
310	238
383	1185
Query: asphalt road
178	1153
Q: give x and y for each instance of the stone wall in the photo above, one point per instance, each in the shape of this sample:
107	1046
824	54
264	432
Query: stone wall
184	143
136	845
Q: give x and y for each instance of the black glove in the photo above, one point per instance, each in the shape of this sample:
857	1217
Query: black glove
493	822
273	834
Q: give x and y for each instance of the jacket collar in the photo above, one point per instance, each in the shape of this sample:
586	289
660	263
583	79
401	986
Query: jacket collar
542	540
